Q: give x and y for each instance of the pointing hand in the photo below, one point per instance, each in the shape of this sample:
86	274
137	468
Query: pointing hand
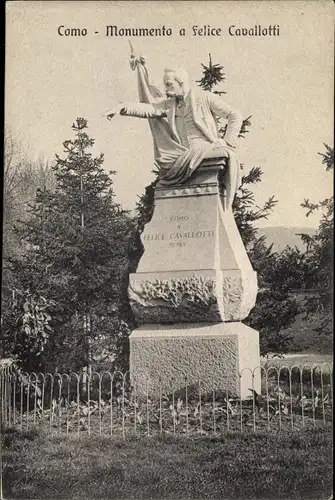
111	113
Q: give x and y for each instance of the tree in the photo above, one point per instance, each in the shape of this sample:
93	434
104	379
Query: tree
14	161
275	309
311	272
21	179
319	256
76	261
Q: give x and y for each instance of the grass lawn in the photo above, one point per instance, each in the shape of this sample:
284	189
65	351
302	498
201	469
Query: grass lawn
300	359
231	466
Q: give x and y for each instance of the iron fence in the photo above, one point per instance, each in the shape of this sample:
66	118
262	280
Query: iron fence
104	403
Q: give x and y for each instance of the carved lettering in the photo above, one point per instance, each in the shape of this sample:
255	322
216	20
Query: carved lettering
177	244
179	218
179	235
154	237
192	234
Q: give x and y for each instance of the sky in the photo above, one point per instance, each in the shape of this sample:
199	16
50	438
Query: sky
284	82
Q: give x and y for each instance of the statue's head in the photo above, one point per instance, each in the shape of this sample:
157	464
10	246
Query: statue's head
176	82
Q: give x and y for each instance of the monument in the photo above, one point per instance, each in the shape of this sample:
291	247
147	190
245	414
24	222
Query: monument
194	283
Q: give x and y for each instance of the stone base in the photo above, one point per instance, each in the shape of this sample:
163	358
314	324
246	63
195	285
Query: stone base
170	357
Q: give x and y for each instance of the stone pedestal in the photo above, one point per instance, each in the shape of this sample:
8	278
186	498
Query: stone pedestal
194	270
194	267
171	357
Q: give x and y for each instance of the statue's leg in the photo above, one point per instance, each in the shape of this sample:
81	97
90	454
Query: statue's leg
231	177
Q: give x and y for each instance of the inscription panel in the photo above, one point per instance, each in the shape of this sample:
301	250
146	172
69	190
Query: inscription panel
180	236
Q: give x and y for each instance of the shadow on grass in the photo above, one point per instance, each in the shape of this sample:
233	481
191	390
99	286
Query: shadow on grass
233	465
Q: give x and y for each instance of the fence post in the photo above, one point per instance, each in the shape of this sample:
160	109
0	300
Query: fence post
214	415
173	408
200	408
186	402
253	401
160	406
227	401
148	420
135	409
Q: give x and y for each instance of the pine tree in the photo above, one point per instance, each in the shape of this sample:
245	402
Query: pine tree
77	240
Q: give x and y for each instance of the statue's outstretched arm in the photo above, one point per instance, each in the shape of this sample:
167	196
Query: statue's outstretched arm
144	110
139	110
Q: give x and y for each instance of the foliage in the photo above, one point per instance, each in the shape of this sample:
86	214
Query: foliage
311	272
34	328
319	256
213	74
21	179
328	157
76	256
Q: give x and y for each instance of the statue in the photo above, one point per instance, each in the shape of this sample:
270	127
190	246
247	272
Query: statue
184	126
194	283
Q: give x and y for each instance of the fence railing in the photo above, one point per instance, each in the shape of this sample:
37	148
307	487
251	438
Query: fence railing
292	397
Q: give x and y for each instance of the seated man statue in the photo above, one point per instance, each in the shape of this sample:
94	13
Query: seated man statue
184	126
